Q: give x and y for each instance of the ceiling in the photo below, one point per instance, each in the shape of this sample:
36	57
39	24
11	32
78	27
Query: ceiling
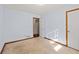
35	8
39	8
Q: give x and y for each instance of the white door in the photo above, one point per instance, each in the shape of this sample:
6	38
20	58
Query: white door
73	27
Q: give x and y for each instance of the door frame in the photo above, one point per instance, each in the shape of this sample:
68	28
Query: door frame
67	24
38	27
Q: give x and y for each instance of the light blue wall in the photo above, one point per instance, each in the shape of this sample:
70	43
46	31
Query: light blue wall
18	24
54	23
15	25
1	26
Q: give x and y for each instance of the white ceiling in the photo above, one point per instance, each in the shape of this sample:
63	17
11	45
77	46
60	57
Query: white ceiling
35	8
39	8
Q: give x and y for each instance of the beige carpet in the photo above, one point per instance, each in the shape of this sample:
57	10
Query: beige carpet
37	46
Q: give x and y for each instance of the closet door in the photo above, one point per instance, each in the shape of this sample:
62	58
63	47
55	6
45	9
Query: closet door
73	29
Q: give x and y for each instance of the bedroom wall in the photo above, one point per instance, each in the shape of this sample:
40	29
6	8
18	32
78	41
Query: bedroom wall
54	23
17	24
1	26
55	26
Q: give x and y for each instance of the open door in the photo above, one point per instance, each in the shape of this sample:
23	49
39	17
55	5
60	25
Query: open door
35	27
73	28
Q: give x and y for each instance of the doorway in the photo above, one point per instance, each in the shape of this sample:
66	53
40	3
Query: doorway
72	28
36	27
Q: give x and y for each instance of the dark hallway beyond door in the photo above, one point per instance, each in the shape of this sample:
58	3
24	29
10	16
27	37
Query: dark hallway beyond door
35	27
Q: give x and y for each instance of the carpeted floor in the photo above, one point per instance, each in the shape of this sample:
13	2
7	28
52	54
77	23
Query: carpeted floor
37	46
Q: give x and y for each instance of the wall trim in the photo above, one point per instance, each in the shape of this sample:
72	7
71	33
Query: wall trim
31	38
13	42
55	41
60	43
72	10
